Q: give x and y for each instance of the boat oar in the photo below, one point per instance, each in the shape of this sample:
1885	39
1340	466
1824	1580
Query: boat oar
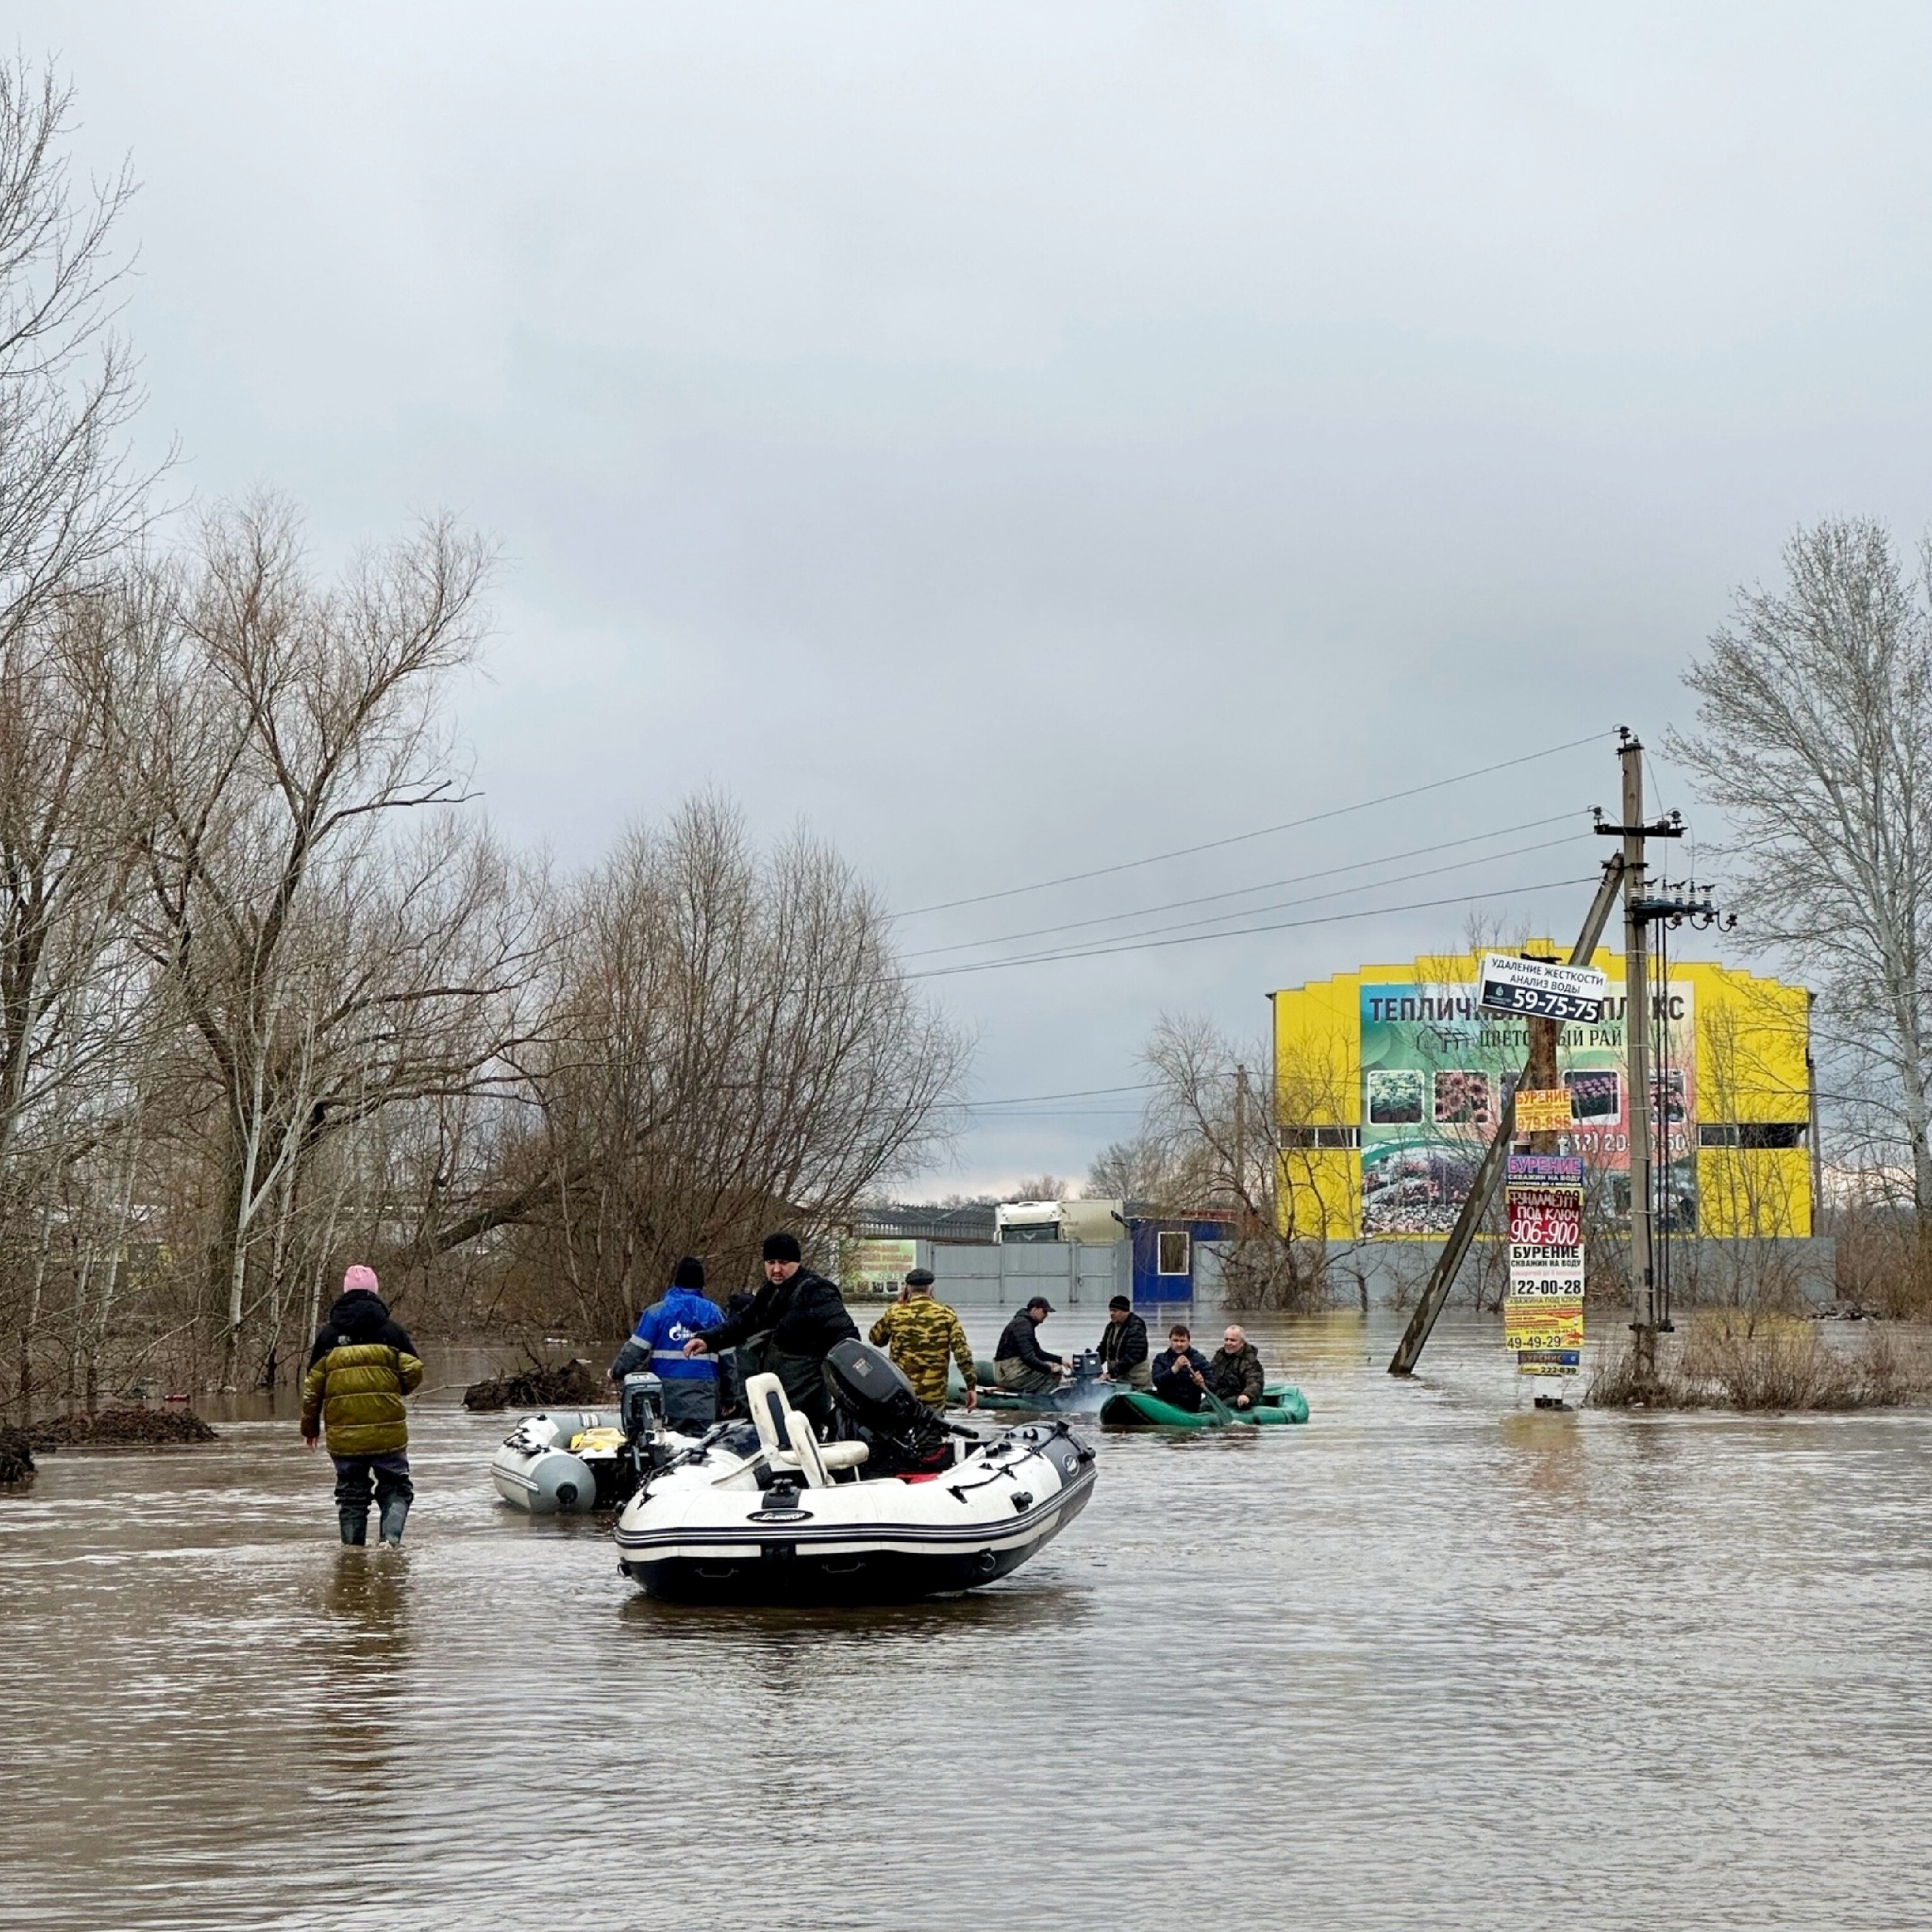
1221	1411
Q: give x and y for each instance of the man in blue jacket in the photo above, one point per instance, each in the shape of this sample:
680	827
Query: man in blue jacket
691	1381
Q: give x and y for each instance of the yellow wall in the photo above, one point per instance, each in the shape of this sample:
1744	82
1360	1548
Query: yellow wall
1752	1038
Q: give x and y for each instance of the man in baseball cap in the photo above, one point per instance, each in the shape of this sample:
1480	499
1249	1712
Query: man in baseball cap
1019	1362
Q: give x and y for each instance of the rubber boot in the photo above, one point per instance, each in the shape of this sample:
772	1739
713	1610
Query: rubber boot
355	1526
395	1513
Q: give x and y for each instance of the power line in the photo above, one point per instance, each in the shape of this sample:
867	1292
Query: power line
1241	838
1244	932
1340	892
1077	1094
1243	891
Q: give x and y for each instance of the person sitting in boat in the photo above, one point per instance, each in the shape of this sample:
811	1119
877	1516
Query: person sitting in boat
920	1332
1181	1370
657	1343
1123	1349
800	1314
1021	1364
1234	1372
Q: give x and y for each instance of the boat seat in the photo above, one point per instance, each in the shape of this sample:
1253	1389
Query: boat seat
765	1396
787	1439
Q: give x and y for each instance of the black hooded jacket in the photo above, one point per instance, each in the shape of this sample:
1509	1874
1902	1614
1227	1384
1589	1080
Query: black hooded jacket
804	1316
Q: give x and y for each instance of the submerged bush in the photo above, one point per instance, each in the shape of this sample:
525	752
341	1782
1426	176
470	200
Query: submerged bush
1774	1363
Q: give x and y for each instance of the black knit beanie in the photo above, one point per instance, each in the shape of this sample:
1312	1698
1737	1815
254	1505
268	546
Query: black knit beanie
783	1247
689	1273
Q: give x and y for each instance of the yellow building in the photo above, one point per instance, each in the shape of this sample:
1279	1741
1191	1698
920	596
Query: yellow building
1388	1083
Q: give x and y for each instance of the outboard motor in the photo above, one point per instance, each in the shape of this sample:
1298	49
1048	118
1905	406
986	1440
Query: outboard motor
905	1436
641	1409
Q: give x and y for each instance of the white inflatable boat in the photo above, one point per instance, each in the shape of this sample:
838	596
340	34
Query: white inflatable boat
566	1461
761	1511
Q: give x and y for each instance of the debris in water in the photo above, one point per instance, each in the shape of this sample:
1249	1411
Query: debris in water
16	1455
575	1382
113	1428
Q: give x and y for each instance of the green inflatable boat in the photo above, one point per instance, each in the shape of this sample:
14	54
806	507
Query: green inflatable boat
1133	1408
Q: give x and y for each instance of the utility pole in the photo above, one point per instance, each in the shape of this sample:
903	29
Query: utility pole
1241	1195
1637	1019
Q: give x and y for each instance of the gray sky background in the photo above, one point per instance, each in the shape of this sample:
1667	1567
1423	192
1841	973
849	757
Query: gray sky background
1014	439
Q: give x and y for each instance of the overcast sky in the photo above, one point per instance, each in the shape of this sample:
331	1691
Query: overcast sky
1015	440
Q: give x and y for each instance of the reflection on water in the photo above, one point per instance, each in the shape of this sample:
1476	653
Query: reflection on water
1437	1660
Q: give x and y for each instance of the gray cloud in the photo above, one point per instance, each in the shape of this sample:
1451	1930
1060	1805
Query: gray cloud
1010	439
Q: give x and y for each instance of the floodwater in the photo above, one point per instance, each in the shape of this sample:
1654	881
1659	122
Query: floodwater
1435	1659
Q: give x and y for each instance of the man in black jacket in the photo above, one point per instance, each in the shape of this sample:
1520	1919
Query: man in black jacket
1020	1363
799	1315
1123	1349
1181	1370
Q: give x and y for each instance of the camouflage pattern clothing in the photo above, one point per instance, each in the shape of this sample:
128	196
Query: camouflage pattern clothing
919	1333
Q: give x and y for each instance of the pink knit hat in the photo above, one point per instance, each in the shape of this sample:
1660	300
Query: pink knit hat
359	1281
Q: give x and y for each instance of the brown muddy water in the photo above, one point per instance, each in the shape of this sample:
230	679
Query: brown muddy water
1435	1659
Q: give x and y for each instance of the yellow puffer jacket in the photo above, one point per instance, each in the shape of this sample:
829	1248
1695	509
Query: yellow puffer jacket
361	1367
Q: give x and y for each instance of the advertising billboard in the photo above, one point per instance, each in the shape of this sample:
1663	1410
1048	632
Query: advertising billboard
1435	1070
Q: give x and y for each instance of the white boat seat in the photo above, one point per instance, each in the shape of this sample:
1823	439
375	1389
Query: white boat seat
787	1439
765	1396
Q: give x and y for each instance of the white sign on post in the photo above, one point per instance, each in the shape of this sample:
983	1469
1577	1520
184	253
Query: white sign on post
1537	990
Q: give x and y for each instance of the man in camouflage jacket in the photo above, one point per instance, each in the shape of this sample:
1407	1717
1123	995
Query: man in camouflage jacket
360	1369
1234	1370
920	1332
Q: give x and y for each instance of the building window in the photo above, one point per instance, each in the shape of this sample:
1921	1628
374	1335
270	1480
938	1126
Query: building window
1780	1133
1170	1247
1320	1137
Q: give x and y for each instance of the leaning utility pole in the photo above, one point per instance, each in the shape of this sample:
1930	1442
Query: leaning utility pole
1495	1159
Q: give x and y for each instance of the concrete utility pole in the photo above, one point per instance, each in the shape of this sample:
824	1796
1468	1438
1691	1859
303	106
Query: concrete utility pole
1241	1149
1637	1061
1639	1109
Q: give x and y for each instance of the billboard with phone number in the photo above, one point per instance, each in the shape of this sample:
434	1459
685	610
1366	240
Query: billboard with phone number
1435	1070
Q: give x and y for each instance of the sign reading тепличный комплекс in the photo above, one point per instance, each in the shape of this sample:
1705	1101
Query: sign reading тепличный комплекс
1542	1316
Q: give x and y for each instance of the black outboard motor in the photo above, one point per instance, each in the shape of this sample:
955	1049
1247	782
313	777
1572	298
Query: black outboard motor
906	1437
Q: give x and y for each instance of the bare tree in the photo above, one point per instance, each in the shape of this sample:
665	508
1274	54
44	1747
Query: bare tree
1138	1168
70	497
1814	736
1207	1135
735	1044
323	963
70	501
1045	1187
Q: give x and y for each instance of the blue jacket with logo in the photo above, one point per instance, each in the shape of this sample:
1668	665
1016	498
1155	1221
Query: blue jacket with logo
658	1343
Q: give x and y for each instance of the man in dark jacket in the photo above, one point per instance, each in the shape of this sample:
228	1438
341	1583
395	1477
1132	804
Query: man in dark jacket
657	1344
1234	1372
360	1369
1123	1349
1181	1370
1020	1363
800	1315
